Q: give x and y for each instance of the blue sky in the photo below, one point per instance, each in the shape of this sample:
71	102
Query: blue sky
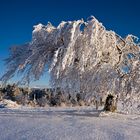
17	18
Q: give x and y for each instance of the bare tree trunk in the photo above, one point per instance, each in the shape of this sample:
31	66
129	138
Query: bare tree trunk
96	104
110	104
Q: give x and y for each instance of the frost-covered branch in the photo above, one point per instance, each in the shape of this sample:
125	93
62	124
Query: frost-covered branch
81	56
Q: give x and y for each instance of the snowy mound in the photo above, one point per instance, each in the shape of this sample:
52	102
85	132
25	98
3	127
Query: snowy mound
8	104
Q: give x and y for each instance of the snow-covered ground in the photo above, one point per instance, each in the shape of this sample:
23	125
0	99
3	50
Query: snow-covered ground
59	123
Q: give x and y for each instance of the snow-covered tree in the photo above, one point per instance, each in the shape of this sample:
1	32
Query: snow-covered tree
82	57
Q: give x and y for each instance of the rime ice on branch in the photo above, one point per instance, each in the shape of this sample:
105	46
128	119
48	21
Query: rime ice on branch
82	57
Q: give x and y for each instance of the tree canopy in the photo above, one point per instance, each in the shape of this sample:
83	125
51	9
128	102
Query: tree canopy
81	56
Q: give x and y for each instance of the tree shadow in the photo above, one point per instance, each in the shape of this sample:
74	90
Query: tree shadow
82	113
47	113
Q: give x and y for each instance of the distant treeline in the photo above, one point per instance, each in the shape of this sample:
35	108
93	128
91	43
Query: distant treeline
42	97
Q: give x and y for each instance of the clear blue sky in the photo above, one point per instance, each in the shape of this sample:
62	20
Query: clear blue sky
17	18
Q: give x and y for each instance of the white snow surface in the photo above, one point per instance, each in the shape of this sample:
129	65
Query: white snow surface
8	104
73	123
